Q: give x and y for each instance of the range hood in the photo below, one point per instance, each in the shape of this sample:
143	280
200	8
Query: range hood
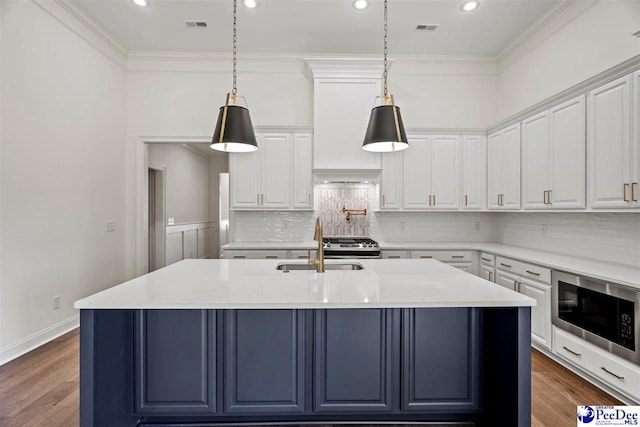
344	91
346	176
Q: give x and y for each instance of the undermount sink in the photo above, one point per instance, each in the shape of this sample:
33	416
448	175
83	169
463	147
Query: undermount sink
332	266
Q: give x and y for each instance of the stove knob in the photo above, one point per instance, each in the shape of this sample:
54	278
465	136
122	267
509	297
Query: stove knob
328	245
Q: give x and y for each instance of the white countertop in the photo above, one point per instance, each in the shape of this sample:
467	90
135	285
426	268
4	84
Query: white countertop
598	270
246	284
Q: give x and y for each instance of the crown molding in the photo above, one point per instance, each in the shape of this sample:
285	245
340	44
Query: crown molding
344	68
85	27
552	21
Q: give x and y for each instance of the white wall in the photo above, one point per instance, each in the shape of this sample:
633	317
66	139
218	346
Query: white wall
607	237
62	174
187	182
594	41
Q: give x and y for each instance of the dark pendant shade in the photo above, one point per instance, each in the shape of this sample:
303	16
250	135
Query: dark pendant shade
234	131
385	131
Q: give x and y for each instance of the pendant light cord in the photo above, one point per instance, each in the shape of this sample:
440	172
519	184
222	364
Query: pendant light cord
235	17
385	47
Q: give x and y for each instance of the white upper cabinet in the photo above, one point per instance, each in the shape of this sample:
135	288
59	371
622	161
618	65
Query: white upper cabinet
504	168
274	171
341	114
474	172
263	179
391	182
635	169
553	157
535	161
431	173
302	171
610	153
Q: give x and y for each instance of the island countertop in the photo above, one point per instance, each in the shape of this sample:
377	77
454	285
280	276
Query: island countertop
257	284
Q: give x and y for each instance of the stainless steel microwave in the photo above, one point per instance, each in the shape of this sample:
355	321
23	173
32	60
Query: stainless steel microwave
605	314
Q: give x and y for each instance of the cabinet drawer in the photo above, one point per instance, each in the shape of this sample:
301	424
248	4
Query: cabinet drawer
531	271
395	254
487	259
302	254
609	368
444	256
232	254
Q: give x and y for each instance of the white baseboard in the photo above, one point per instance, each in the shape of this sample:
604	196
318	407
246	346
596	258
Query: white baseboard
34	341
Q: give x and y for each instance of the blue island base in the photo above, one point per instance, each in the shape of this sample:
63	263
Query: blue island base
299	366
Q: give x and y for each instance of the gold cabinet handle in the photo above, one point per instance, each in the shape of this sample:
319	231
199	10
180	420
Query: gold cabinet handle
505	265
544	197
429	199
258	199
425	256
394	256
633	191
271	256
466	200
534	273
515	286
434	200
309	198
384	200
625	186
490	273
549	197
457	256
571	351
239	256
621	378
498	200
486	259
262	199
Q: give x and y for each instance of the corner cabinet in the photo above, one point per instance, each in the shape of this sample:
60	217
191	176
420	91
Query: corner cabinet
431	174
553	157
503	165
276	176
613	147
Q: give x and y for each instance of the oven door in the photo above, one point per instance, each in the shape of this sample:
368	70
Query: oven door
347	254
604	314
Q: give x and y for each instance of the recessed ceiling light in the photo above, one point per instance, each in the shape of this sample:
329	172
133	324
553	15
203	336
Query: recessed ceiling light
250	3
360	4
468	6
141	3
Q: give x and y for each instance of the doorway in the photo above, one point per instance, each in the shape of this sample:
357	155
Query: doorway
156	222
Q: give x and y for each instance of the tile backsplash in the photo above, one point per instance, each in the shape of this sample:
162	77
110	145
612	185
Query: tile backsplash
607	237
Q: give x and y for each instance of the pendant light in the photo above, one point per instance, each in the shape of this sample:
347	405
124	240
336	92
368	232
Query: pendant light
385	132
234	131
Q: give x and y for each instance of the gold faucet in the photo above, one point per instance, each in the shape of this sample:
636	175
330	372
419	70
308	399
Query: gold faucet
319	260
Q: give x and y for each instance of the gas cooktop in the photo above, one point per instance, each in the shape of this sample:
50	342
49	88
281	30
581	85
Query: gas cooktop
350	247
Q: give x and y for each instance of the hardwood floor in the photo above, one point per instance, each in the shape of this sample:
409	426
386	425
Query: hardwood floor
41	389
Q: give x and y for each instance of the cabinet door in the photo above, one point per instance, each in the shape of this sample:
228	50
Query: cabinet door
541	313
264	361
244	175
176	362
445	171
353	360
391	254
488	273
609	144
511	178
635	142
274	166
391	184
495	169
568	149
439	364
302	171
507	280
416	174
474	175
535	161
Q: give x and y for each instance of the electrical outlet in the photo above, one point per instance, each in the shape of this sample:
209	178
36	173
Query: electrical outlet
545	229
110	226
171	221
56	302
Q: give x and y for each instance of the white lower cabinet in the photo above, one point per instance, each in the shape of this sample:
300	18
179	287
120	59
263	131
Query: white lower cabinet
462	260
519	277
488	273
394	254
604	366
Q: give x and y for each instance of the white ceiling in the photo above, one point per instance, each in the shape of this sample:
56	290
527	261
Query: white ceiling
318	26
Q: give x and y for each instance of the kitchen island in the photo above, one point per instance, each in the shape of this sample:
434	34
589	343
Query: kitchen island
208	342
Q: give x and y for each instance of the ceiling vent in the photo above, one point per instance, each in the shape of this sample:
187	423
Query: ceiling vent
427	27
196	24
637	34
